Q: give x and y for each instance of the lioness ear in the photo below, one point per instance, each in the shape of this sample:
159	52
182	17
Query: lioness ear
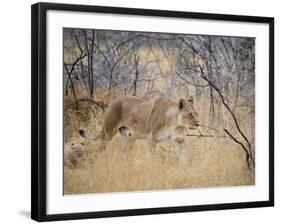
190	100
182	103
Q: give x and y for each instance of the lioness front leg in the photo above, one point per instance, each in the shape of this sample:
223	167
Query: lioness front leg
179	138
179	146
152	145
151	142
182	150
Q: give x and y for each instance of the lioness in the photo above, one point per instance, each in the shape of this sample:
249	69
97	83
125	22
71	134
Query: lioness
155	120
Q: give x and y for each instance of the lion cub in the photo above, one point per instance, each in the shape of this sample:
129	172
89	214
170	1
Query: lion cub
73	154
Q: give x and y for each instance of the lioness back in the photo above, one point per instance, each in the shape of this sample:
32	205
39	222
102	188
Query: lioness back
118	110
158	119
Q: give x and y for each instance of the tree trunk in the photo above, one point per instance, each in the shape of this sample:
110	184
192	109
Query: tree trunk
136	81
212	106
91	64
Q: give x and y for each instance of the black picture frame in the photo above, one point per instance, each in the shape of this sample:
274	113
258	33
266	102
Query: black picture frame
38	108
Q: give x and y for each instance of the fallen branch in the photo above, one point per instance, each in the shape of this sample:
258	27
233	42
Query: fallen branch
204	126
207	136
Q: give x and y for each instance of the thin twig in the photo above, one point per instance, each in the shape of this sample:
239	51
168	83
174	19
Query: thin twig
204	126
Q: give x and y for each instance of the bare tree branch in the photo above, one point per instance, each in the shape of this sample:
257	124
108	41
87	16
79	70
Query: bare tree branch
184	79
227	107
248	155
100	104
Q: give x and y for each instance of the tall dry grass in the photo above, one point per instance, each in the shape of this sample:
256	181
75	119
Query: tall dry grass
215	161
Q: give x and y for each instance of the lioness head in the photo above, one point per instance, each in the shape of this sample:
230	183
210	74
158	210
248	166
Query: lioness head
188	116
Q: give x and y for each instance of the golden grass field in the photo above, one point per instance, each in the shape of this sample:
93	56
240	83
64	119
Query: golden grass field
215	161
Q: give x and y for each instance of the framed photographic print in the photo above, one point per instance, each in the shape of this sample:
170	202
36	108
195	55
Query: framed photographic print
139	111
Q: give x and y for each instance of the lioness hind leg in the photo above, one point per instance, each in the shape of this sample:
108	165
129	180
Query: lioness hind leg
102	144
127	138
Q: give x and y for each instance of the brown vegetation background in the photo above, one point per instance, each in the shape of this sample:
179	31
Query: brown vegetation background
102	65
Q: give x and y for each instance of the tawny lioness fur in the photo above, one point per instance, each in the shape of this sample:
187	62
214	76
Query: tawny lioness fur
155	120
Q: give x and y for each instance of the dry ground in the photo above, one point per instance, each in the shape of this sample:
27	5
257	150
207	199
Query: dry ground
215	161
